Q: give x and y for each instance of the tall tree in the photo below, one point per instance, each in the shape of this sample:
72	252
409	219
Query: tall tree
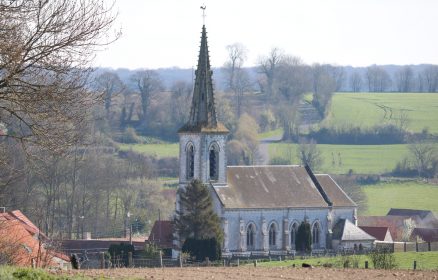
356	82
404	79
324	85
430	76
309	154
110	85
268	67
196	217
46	49
378	79
148	82
237	77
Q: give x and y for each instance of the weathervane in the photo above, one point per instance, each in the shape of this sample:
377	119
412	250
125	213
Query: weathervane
203	13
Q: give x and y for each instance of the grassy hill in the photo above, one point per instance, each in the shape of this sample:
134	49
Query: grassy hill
412	195
368	109
362	159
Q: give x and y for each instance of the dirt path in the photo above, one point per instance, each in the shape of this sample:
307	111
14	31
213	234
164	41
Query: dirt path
259	273
263	153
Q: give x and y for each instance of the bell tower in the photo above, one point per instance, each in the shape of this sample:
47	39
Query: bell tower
202	139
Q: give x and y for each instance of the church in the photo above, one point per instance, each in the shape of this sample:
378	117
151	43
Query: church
260	207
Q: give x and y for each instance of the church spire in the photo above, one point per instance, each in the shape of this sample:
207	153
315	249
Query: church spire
203	111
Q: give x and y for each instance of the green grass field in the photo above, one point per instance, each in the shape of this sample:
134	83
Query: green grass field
425	260
412	195
362	109
158	150
362	159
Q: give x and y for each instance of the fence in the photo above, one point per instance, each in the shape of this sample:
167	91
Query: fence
408	246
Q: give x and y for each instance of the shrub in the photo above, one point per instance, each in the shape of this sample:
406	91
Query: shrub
121	251
383	259
129	136
303	241
280	161
202	248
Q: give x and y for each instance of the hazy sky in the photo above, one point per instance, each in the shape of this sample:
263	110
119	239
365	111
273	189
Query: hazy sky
166	33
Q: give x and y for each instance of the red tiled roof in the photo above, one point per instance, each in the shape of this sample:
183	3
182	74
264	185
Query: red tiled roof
21	240
378	232
395	224
162	234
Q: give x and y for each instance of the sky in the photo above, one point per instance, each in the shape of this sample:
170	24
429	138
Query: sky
166	33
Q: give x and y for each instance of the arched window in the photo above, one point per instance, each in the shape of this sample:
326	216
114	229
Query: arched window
293	234
214	162
272	235
250	236
190	161
315	234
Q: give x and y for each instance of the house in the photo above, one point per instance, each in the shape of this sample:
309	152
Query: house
260	207
425	234
22	243
379	233
400	227
423	218
346	235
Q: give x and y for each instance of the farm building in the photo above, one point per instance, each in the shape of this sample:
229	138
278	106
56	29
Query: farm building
379	233
260	207
346	235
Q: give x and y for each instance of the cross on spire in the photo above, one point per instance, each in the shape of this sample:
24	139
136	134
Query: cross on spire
203	7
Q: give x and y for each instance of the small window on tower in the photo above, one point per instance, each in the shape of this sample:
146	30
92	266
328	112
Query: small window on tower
214	162
190	162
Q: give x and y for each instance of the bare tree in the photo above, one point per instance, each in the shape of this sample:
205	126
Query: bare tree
268	67
45	52
180	102
404	79
430	75
148	82
356	82
309	154
110	85
323	87
237	77
424	155
378	79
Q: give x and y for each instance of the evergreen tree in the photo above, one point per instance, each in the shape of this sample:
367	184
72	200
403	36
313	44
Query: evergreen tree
303	240
197	219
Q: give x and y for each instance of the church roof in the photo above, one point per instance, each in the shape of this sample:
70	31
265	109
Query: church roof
203	112
279	186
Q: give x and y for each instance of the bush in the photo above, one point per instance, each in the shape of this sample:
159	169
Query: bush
383	259
202	248
279	161
129	136
303	241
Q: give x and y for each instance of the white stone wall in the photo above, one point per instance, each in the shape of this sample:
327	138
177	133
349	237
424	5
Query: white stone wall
202	143
237	222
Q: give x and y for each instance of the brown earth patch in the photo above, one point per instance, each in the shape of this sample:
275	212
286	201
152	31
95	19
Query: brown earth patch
249	272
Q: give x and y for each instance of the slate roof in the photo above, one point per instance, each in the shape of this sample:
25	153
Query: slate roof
427	234
409	212
378	232
279	186
345	230
203	112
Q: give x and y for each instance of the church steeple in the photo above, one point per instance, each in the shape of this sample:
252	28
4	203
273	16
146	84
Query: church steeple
203	112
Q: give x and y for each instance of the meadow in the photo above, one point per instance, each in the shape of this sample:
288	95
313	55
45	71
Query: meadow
368	109
412	195
158	150
339	159
404	260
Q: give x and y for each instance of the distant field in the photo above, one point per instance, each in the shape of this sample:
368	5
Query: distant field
362	109
411	195
425	260
158	150
362	159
